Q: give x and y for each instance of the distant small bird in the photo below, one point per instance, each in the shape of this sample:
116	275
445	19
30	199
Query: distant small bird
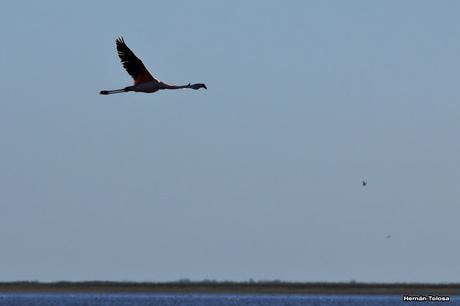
388	236
364	183
143	80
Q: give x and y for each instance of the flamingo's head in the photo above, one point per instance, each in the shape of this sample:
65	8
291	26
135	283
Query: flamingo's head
197	86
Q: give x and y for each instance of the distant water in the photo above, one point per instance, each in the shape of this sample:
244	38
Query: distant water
106	299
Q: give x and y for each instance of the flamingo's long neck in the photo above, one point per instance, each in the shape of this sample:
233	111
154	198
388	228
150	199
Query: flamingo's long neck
168	86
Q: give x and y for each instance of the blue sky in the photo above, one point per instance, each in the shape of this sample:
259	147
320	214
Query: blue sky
257	177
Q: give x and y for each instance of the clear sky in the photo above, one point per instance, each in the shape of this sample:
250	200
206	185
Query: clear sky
257	177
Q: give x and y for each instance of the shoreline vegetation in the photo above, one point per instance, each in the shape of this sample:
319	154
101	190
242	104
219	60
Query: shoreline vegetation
220	287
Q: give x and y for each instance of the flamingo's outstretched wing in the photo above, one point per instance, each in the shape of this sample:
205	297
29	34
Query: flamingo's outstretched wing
133	64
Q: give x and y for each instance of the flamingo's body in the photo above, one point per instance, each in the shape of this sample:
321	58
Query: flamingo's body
143	80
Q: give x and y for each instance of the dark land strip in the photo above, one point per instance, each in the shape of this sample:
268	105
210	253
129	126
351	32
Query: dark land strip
212	287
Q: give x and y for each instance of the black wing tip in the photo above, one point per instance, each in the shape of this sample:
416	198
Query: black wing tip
120	40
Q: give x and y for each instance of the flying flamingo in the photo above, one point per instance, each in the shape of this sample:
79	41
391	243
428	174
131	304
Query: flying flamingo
143	80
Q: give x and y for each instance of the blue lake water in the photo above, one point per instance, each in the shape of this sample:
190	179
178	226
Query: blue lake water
58	299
